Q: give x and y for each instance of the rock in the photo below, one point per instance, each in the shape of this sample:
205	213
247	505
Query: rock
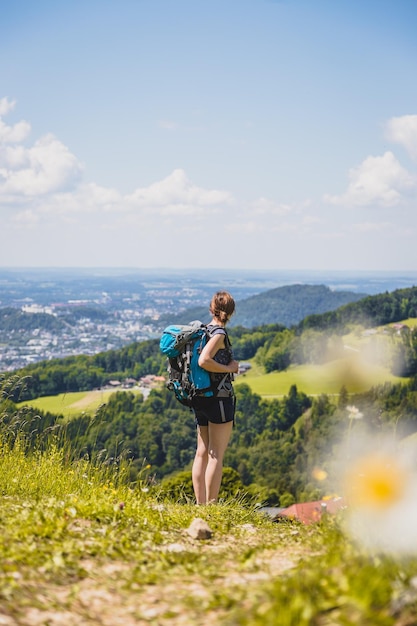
175	547
199	529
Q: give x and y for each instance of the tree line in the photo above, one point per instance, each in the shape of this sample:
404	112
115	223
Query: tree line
318	338
276	445
377	310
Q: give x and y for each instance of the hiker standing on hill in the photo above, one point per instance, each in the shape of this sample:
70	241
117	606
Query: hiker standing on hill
215	415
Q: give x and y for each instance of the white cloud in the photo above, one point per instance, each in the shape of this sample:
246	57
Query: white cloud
248	227
176	194
85	198
13	157
251	226
330	236
26	218
369	227
11	134
403	130
6	106
29	172
265	216
308	220
93	196
14	134
266	206
43	181
46	167
378	181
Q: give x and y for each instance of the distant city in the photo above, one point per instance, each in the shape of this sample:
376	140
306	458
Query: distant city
54	313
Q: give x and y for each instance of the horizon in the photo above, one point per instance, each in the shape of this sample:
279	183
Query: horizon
256	280
216	270
203	269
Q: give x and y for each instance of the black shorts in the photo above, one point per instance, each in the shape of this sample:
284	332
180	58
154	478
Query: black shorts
214	410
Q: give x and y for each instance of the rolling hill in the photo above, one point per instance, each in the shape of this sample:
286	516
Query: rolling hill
286	305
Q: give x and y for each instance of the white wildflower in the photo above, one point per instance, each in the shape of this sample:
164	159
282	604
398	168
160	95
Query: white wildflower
379	482
354	413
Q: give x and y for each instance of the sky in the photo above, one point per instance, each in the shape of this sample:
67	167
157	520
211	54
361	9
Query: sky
233	134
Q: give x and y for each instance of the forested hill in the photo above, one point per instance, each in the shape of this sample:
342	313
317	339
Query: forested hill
286	305
14	319
377	310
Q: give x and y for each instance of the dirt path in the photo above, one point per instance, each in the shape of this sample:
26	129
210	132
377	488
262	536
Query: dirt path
92	398
106	596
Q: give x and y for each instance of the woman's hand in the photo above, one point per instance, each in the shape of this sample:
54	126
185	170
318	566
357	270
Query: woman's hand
206	359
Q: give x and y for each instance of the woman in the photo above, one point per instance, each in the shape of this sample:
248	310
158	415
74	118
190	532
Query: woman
214	416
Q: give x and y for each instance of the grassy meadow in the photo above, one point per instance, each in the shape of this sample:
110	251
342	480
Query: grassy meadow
358	370
72	404
80	546
328	378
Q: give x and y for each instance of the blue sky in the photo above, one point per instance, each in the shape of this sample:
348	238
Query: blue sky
209	133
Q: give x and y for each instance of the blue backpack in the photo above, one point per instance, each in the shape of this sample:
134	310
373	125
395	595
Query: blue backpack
182	344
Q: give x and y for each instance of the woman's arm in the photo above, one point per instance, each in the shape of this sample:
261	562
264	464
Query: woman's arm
206	358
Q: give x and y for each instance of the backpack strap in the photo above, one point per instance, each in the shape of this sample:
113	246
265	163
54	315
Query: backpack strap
220	382
213	330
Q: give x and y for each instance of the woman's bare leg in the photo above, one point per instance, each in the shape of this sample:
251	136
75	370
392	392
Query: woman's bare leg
218	438
200	465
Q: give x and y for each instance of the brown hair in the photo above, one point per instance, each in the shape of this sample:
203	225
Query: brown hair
222	306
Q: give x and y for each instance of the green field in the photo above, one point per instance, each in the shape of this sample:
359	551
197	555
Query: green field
70	404
351	372
357	371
